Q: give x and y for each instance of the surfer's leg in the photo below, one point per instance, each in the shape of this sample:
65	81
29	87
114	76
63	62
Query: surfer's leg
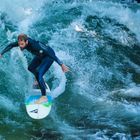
33	68
45	65
34	64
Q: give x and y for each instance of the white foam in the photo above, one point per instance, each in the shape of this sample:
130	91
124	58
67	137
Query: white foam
123	15
59	74
23	13
19	10
78	27
131	91
8	104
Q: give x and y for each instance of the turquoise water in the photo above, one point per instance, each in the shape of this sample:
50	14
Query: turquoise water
99	97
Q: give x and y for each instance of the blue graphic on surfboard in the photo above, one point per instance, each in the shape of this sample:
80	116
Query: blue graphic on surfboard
38	111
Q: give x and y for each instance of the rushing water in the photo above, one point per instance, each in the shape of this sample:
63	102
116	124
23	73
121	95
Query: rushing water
99	98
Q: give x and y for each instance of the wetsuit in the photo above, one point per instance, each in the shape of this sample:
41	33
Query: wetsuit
44	57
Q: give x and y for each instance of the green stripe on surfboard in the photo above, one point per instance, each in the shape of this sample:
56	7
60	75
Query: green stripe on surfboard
45	104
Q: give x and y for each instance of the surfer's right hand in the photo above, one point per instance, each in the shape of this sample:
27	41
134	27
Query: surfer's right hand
64	68
0	56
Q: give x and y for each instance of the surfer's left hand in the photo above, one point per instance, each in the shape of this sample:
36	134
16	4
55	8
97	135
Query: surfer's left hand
64	68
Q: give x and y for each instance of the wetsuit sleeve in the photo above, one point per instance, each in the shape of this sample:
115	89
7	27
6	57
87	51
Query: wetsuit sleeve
10	46
50	52
55	58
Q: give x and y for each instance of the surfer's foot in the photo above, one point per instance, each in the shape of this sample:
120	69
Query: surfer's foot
41	100
35	85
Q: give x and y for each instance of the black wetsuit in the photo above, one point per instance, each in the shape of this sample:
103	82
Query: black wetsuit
44	57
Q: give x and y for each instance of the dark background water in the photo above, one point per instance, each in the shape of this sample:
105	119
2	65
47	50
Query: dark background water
99	41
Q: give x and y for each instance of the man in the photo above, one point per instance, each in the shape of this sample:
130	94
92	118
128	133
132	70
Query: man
44	57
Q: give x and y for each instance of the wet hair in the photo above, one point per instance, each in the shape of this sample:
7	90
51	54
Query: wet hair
22	37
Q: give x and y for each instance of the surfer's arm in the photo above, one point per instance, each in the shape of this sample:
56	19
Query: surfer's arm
9	47
50	52
56	59
52	55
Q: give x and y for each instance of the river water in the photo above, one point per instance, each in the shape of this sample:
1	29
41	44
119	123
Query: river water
99	98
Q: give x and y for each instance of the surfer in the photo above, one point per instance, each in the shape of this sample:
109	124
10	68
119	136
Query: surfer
44	57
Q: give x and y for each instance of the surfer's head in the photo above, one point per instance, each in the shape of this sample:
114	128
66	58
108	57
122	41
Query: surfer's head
22	40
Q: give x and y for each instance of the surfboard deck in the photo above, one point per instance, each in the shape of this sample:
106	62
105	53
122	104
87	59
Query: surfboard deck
38	111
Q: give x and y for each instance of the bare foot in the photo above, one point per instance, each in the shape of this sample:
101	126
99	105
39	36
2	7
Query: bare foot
41	100
35	82
35	85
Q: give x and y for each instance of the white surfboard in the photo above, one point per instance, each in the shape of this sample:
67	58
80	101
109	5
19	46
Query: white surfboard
38	111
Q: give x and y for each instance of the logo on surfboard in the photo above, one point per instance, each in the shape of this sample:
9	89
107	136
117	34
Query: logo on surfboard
34	111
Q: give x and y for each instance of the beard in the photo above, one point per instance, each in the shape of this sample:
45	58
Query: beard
22	48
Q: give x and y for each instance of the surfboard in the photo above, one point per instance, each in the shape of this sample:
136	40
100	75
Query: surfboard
38	111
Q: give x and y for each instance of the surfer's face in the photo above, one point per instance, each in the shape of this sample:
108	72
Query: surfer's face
22	43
